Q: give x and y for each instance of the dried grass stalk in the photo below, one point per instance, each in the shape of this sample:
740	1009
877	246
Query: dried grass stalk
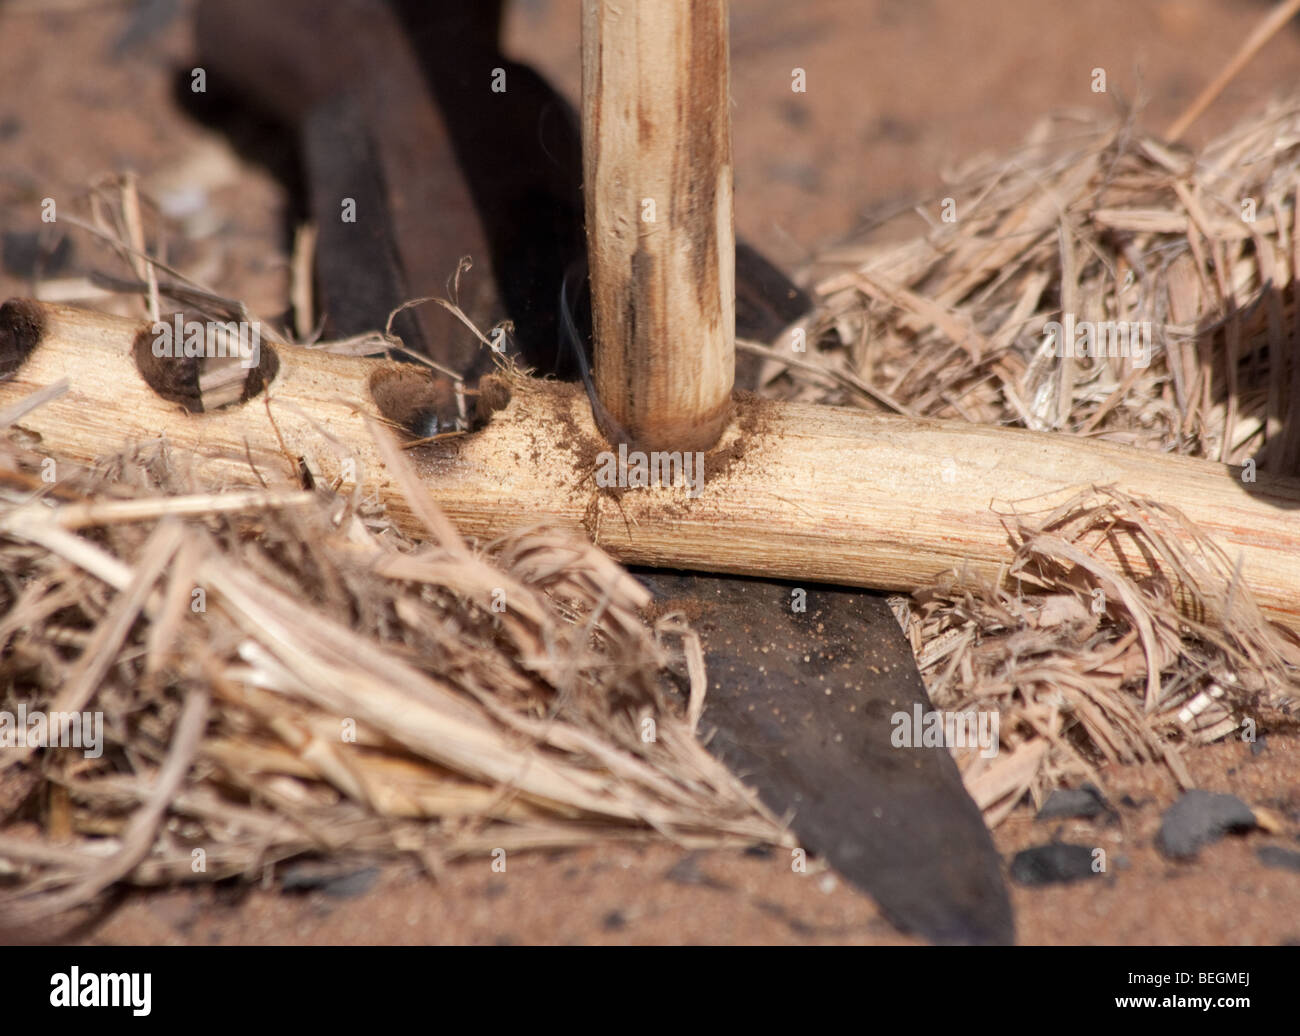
355	692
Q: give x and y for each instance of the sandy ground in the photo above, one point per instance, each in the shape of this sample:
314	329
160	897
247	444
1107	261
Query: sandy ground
660	894
899	93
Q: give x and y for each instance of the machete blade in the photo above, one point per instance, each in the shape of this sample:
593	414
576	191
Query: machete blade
800	706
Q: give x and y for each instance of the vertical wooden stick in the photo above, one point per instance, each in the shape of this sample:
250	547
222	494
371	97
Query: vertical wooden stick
656	126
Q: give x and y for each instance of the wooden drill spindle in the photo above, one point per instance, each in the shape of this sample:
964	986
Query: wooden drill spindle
657	172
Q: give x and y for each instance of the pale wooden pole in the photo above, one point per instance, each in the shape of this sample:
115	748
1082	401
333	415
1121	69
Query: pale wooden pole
658	185
794	491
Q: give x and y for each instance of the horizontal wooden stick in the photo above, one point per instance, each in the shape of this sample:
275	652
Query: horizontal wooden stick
819	494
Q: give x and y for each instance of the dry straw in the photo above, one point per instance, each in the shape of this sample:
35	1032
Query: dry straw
1103	224
281	673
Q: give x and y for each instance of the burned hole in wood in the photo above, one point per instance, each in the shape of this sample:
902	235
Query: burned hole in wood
22	323
421	403
493	394
204	365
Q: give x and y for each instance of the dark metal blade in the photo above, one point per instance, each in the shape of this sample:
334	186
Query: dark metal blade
357	263
801	705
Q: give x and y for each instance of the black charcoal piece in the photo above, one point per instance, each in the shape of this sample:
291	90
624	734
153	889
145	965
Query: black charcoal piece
1199	818
1054	864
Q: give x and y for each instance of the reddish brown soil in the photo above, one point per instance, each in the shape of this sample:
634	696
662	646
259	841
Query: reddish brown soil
660	894
898	92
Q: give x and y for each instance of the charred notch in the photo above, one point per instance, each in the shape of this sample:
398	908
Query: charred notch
494	394
419	402
22	325
204	365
